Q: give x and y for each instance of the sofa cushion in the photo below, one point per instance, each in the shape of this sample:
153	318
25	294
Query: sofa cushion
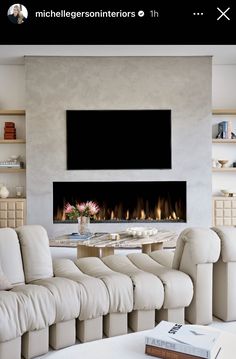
227	236
13	315
164	257
119	286
36	253
4	282
148	289
41	308
201	244
178	286
66	294
94	298
10	256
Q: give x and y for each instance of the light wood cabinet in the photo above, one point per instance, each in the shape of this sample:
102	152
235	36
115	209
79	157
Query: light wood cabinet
12	212
224	211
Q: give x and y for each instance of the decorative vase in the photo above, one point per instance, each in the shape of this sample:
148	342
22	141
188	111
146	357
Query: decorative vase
83	224
4	193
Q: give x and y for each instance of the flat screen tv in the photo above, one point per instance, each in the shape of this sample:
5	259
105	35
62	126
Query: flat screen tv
118	139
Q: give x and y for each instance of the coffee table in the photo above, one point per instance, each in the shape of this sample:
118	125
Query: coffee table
130	346
101	245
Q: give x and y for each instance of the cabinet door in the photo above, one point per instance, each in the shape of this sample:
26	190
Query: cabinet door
12	213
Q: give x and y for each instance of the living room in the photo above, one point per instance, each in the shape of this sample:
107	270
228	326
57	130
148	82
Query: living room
151	165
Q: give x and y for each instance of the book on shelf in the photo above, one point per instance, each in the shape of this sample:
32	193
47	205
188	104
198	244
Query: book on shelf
176	341
225	130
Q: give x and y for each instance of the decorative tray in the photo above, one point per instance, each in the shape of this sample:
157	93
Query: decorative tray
141	231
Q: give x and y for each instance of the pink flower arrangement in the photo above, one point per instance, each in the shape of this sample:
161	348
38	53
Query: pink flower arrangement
84	209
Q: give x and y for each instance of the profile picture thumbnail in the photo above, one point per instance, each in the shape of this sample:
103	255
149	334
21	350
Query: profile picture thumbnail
17	14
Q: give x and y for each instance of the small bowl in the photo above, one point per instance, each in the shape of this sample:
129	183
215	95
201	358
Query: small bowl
225	192
14	157
223	162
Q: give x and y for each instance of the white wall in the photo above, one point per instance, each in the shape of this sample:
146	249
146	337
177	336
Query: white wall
224	96
224	86
12	96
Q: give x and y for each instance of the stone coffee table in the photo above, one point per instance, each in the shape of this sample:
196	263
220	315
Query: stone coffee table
101	245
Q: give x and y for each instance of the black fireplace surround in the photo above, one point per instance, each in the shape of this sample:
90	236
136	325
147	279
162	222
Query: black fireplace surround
155	201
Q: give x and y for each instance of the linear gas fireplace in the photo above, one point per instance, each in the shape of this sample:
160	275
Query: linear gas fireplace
124	201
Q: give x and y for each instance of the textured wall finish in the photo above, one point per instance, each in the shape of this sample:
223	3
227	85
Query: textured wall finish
182	84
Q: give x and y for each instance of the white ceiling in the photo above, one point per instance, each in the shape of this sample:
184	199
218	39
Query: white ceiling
14	54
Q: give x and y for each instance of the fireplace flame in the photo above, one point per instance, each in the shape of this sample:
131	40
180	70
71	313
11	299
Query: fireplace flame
158	216
163	210
143	215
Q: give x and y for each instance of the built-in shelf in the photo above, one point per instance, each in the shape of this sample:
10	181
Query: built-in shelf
224	169
12	170
226	112
12	141
221	140
12	112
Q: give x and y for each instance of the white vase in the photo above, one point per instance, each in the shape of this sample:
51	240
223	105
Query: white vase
83	225
4	193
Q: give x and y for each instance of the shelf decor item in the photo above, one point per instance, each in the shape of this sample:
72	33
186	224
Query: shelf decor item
19	191
83	225
9	131
223	163
83	212
4	193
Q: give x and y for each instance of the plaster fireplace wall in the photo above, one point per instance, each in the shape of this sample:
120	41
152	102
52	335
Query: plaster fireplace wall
56	84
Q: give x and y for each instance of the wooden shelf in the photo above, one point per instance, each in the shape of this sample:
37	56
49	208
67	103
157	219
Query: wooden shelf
221	140
11	141
224	169
12	112
12	170
226	112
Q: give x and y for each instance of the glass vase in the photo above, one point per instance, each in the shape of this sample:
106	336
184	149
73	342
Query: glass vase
83	224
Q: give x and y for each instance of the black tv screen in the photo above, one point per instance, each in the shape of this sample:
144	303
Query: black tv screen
118	139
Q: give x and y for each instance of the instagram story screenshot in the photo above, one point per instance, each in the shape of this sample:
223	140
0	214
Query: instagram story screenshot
117	179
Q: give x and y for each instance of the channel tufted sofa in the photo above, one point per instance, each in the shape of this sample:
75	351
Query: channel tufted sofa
224	275
196	251
45	302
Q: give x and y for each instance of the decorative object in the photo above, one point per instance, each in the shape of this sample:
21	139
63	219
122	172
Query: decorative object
9	131
19	191
114	236
4	193
83	211
223	163
83	224
215	163
228	192
141	231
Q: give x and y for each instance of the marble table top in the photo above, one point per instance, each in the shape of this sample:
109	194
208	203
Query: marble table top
104	240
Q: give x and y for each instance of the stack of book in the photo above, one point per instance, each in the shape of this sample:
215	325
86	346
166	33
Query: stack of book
225	130
175	341
9	131
11	164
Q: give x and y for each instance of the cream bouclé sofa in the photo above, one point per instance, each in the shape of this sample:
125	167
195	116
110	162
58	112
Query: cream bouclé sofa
224	276
45	302
196	251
